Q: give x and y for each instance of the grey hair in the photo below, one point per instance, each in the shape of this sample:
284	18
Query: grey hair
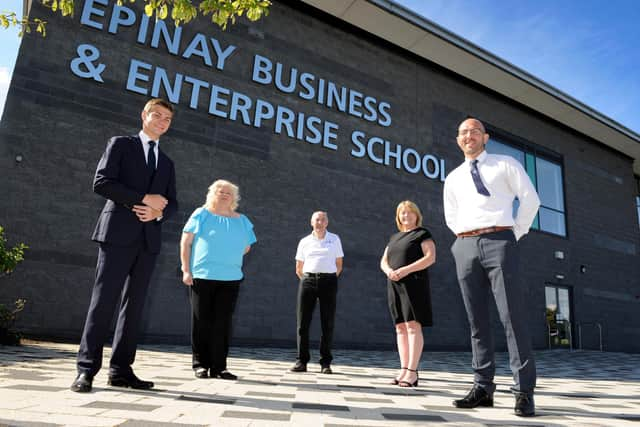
235	191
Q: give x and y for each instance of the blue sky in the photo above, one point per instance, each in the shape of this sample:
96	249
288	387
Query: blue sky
589	49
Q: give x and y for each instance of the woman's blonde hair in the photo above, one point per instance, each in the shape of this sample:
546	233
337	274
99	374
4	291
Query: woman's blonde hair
413	208
235	192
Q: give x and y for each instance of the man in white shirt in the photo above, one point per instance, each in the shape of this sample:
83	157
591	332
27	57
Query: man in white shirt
478	207
318	265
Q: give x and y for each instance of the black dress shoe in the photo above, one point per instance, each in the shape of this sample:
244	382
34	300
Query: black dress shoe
525	406
299	367
476	397
202	373
225	375
82	383
130	381
326	370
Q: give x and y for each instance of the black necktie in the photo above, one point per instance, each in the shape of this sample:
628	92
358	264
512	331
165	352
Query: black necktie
151	157
477	180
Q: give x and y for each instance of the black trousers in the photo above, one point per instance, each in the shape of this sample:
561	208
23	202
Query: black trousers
487	266
212	306
323	288
122	280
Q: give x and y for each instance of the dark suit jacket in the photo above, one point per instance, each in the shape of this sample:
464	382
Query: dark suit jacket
122	177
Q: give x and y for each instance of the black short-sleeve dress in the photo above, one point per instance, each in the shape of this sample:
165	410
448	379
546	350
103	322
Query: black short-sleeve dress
410	297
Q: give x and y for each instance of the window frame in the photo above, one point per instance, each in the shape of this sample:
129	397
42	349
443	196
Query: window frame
637	178
544	153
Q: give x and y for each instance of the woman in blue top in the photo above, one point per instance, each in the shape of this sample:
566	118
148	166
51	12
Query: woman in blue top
212	247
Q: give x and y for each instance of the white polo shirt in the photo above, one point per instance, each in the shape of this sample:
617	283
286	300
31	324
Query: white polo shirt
319	255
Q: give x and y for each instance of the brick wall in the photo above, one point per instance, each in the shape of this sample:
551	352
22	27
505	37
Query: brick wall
60	123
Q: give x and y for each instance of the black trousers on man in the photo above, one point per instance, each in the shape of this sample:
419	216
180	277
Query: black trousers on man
212	306
314	287
122	279
487	265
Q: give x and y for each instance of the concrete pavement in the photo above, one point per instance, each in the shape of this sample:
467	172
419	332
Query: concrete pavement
579	388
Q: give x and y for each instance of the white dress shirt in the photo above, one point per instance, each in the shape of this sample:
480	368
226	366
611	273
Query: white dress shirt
319	255
505	178
145	146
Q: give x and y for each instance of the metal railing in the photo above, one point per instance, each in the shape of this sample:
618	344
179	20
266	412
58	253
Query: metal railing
567	328
595	324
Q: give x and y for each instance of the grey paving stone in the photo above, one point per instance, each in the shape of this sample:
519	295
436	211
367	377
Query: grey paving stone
257	415
267	394
319	406
349	425
407	393
412	417
173	378
367	399
29	375
446	408
515	425
12	423
635	418
122	406
144	423
349	386
35	387
207	400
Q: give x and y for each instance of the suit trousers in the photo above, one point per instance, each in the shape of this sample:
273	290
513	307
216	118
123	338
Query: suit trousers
212	306
122	279
317	288
487	265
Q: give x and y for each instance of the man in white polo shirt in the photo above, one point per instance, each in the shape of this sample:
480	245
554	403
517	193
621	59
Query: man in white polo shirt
318	265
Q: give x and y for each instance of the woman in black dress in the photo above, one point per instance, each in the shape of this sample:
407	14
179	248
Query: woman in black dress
405	261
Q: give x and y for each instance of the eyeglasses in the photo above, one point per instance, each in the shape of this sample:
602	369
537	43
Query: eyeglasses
472	132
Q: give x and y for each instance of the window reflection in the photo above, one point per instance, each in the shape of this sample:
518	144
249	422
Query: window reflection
546	177
549	184
638	208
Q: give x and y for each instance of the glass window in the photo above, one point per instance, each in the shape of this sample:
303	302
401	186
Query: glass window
546	176
638	198
563	304
558	314
551	221
550	184
495	147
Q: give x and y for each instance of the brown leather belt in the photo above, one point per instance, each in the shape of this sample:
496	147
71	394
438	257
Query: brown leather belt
485	230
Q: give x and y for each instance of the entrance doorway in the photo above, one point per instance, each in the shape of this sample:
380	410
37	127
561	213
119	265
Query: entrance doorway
558	314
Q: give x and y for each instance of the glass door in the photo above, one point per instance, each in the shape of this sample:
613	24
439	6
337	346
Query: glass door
558	313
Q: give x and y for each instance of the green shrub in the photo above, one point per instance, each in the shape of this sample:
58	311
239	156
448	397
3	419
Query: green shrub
9	259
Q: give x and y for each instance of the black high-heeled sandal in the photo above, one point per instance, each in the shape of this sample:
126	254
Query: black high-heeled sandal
407	383
395	381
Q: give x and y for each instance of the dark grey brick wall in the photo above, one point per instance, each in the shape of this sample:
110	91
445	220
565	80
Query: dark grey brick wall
59	123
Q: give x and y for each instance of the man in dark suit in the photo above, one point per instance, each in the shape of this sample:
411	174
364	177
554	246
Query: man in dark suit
138	181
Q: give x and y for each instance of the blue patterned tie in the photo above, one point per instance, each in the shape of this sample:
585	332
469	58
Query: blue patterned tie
151	157
477	180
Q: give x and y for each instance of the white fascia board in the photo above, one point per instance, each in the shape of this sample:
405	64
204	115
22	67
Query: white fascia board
400	26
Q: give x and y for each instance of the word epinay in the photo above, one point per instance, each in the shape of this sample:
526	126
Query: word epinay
150	80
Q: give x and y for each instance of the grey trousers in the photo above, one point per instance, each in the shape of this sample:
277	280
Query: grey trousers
485	265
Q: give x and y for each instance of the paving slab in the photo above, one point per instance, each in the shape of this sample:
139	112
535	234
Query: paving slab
575	388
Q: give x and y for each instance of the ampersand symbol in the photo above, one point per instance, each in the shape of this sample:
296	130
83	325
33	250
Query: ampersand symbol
86	55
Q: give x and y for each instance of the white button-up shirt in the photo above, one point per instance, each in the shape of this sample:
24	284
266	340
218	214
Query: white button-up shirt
505	178
319	255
